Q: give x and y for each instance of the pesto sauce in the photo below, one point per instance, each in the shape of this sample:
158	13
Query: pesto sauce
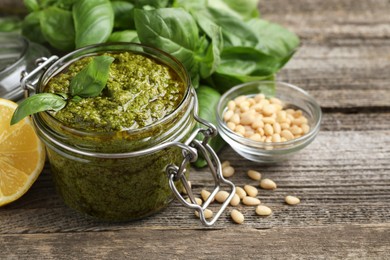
139	91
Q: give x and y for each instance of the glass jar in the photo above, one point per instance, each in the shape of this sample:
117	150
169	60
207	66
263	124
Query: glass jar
17	54
129	174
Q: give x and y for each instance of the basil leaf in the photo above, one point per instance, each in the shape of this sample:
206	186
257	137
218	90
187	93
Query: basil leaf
211	59
124	14
209	14
31	27
246	8
91	80
152	3
31	5
248	61
273	39
10	24
57	28
93	21
172	30
38	103
124	36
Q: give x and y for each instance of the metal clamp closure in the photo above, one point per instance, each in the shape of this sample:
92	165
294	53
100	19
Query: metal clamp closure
28	86
176	173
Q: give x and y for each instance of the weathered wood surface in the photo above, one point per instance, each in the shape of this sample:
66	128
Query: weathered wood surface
342	178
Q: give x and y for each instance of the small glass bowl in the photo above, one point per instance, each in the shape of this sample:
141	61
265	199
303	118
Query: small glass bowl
292	97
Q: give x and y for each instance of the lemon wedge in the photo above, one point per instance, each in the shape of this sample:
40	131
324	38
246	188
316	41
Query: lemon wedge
22	154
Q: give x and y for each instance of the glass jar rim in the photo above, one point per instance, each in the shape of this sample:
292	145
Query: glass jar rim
104	47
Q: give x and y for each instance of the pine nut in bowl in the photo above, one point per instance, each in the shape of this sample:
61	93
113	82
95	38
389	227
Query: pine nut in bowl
267	121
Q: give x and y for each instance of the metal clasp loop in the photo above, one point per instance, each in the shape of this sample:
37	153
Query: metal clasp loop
176	173
28	86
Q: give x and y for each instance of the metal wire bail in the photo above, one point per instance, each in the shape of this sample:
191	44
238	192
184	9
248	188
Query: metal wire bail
25	77
178	173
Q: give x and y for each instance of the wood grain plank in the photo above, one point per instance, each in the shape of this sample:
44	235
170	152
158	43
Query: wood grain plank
336	242
342	177
343	60
322	8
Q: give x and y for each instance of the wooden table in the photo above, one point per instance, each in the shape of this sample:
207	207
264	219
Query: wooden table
342	178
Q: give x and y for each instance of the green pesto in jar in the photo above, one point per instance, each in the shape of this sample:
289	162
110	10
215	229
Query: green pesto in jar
139	91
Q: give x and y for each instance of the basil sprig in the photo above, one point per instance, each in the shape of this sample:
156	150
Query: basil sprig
89	82
38	103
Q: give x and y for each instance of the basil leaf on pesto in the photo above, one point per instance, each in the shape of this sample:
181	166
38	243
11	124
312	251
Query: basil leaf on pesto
38	103
92	79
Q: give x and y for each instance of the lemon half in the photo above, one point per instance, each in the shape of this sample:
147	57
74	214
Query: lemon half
22	154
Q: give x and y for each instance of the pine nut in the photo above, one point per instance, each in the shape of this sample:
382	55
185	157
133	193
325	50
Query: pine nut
235	119
262	210
254	175
184	189
267	184
205	195
290	111
207	213
248	134
227	171
255	137
292	200
231	105
300	120
221	196
198	201
276	138
297	113
275	100
240	192
281	116
268	120
237	216
251	191
231	125
268	109
305	128
259	97
261	131
257	107
247	118
240	129
268	130
287	134
277	128
250	201
239	99
251	101
284	126
228	114
244	103
296	130
264	102
258	122
225	164
235	200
